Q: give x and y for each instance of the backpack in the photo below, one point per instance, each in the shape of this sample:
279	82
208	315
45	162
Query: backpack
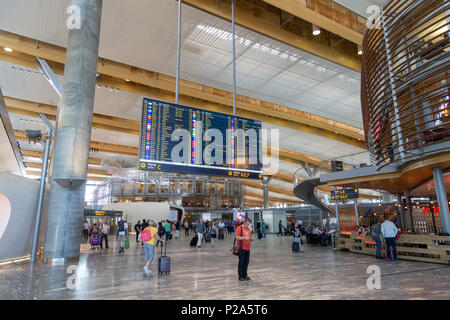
121	225
375	232
146	235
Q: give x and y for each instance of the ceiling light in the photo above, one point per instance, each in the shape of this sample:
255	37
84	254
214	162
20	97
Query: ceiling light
8	49
127	80
360	50
316	30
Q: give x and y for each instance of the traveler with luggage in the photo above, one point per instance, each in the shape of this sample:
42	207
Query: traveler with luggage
200	230
167	226
105	232
149	236
244	239
297	244
375	232
122	234
213	232
137	228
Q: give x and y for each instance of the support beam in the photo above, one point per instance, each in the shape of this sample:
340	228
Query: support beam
159	86
441	195
90	178
71	149
313	15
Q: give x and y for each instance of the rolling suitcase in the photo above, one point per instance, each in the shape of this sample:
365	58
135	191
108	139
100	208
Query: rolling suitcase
295	246
259	235
164	262
208	238
194	241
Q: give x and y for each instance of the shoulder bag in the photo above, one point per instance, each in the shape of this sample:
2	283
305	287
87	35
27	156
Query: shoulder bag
236	248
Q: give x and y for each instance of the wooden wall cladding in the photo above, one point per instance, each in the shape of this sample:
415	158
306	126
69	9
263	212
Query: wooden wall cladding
425	248
405	81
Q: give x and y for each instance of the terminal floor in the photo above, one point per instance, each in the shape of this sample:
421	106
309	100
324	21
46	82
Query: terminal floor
210	272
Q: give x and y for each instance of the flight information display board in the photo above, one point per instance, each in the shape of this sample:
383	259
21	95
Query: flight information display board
348	193
177	138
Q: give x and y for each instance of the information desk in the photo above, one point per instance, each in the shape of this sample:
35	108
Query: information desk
416	247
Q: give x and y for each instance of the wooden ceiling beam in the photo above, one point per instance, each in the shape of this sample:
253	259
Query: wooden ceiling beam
99	121
347	27
271	198
145	83
89	178
265	19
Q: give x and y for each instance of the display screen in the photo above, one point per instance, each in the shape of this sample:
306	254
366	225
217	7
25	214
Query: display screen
176	138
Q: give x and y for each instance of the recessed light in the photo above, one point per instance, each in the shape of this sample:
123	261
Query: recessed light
316	30
127	80
8	49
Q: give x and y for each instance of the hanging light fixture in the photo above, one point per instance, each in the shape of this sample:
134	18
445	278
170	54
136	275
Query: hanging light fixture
316	30
360	50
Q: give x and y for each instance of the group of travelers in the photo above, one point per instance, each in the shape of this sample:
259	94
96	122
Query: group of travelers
208	231
385	231
166	229
317	235
97	234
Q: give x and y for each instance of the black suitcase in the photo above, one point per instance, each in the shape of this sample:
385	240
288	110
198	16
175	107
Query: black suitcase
164	262
194	241
208	238
295	246
259	235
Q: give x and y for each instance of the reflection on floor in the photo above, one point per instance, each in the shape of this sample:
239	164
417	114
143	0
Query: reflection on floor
210	272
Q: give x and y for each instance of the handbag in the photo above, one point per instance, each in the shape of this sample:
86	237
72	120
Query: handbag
139	237
236	248
127	244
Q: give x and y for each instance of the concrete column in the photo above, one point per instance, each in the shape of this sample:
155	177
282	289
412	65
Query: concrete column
442	199
73	135
356	211
266	191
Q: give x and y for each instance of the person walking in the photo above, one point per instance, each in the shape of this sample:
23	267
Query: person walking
280	229
167	226
389	232
86	230
143	226
161	232
137	228
186	228
213	232
263	229
375	232
177	230
149	236
297	236
122	232
105	232
200	230
244	239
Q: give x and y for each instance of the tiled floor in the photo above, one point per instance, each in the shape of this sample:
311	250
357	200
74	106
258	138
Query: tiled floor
211	273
